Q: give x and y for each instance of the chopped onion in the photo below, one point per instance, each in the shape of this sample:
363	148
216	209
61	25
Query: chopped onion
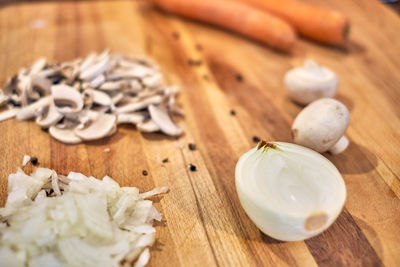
53	220
290	192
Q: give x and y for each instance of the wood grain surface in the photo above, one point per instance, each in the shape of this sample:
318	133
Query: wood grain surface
204	224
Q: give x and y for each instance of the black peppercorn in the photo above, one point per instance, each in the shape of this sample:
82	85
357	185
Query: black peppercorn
192	168
144	172
34	160
256	139
192	146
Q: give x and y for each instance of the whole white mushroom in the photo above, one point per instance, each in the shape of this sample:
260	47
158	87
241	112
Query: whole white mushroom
310	82
321	126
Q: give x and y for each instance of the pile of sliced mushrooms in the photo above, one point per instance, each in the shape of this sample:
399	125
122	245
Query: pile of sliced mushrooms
86	99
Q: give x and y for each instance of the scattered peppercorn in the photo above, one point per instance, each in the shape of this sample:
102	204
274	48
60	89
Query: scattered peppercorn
239	77
34	160
256	139
193	62
199	47
192	168
144	172
233	112
192	146
165	160
176	35
81	90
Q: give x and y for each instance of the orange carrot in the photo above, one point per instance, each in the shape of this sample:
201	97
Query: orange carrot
237	17
322	25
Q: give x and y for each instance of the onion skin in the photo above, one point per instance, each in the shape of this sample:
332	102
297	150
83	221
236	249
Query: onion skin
282	224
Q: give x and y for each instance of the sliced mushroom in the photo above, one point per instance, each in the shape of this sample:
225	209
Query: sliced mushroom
99	80
95	70
117	98
31	110
87	62
41	84
37	66
161	117
98	128
8	114
153	81
136	71
61	96
171	90
100	98
3	99
113	130
148	127
49	117
139	105
67	136
25	86
114	85
66	98
134	118
86	118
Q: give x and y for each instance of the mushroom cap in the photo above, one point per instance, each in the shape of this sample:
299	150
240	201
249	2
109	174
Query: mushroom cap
310	82
321	124
98	128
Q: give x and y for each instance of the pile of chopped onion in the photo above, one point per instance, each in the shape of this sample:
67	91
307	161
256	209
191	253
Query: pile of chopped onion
54	220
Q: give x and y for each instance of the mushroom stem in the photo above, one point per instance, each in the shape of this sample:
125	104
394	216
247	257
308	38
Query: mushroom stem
339	146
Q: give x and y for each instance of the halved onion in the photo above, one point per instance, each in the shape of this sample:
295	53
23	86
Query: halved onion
290	192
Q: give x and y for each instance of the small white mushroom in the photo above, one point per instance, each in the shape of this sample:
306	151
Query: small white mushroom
98	128
66	98
148	127
9	114
310	82
67	135
49	117
161	117
321	126
31	110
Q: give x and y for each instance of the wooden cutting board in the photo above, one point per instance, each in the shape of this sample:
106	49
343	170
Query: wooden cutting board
204	224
